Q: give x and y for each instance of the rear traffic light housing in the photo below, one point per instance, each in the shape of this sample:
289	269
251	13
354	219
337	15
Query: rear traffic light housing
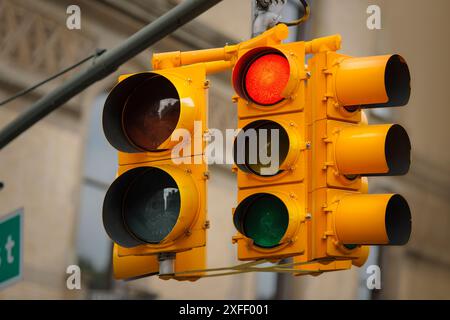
156	207
346	149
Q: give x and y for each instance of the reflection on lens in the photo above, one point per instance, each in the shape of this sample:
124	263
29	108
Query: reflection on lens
152	205
260	160
265	220
151	113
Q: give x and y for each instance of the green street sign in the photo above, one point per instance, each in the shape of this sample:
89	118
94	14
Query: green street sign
11	244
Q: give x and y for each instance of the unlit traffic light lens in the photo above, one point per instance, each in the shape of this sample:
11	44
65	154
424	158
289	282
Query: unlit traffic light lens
151	206
255	142
141	113
266	78
263	218
143	206
151	113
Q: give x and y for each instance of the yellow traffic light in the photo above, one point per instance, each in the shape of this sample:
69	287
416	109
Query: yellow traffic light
156	208
302	157
345	149
313	203
270	151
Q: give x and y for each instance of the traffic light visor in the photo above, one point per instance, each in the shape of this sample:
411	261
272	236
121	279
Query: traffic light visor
141	112
373	82
146	204
382	150
262	217
373	219
261	76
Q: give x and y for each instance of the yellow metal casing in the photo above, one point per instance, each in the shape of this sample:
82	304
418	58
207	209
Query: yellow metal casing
288	184
345	149
190	229
185	162
191	85
294	92
133	267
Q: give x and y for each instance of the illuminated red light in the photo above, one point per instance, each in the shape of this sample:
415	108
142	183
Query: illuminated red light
266	79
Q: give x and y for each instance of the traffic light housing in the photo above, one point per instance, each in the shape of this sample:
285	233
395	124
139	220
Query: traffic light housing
155	210
271	217
346	149
302	157
314	205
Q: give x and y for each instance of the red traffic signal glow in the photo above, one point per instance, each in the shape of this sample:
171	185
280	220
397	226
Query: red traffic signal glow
266	79
261	75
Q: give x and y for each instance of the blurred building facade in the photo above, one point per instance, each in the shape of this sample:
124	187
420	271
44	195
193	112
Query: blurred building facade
59	170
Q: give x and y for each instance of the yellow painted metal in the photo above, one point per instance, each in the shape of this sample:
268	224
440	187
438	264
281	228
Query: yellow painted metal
361	81
130	267
332	146
288	185
324	44
127	267
188	237
344	147
361	219
364	255
190	229
194	259
217	66
316	268
361	149
228	53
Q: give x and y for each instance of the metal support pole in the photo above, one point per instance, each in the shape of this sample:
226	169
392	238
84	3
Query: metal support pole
106	64
166	263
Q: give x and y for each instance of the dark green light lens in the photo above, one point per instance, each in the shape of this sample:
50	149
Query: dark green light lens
265	220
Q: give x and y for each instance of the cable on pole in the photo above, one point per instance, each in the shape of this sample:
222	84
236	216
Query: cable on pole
23	92
105	65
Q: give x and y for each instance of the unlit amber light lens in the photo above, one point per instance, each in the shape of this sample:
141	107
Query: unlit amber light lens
266	79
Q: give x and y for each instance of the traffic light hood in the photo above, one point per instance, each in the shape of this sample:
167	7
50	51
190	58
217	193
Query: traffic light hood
149	205
373	82
144	109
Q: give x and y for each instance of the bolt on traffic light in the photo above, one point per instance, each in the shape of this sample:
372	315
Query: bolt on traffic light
155	211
